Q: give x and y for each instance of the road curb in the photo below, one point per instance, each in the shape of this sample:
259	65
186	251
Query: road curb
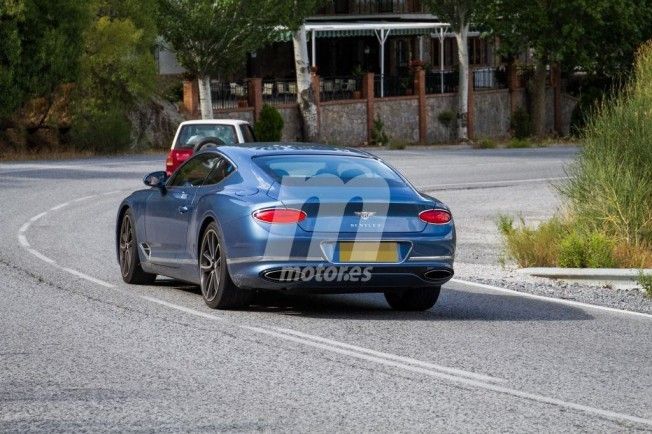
621	277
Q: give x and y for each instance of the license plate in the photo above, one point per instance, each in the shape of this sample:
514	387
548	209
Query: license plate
368	252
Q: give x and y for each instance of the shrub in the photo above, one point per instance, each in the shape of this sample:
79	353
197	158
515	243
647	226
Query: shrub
104	131
446	118
394	144
521	123
485	144
645	280
532	247
518	143
269	127
378	135
610	185
572	251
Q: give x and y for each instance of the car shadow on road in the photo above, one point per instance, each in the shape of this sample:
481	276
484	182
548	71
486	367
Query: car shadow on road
453	305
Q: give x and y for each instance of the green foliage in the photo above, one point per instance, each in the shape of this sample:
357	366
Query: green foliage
586	251
40	45
198	29
397	145
518	143
485	143
532	247
610	186
600	36
269	128
446	118
117	65
104	130
645	280
142	13
378	135
456	12
555	243
521	123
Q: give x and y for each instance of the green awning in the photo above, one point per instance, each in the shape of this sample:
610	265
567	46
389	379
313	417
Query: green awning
347	30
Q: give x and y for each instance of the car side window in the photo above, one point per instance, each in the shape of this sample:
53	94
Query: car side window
247	133
221	171
195	171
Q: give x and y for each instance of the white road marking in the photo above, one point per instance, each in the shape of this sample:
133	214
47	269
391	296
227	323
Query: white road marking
392	360
42	257
23	240
552	299
37	216
81	199
58	207
389	356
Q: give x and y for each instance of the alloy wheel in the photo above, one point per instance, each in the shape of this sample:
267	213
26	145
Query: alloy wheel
210	264
126	245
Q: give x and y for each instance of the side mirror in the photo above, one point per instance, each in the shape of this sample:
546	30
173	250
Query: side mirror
156	179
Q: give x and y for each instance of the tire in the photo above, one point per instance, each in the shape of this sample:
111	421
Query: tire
208	143
128	257
413	299
217	288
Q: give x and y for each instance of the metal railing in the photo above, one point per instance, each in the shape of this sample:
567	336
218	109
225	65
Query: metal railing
489	78
441	82
393	85
279	91
338	88
229	94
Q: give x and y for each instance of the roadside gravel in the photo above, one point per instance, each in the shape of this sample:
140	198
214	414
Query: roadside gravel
508	277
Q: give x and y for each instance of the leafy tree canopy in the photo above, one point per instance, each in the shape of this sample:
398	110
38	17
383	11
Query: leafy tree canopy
40	45
597	35
212	37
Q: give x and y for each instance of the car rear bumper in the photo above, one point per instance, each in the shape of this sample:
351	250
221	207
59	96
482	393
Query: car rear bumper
323	276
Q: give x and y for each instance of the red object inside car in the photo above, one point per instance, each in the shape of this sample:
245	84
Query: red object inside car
175	158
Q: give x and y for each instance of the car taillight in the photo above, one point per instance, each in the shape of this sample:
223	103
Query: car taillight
279	215
435	216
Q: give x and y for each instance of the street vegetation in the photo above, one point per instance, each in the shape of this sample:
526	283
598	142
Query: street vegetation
607	216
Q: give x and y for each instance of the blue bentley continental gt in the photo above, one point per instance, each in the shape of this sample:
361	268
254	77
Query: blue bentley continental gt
287	217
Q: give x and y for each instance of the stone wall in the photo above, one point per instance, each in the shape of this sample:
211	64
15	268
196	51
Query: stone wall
491	113
435	105
292	131
400	116
246	114
344	122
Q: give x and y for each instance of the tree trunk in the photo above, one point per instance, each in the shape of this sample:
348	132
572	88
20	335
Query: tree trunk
538	92
461	35
205	99
305	95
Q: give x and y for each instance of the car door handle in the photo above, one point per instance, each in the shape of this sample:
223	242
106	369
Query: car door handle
183	209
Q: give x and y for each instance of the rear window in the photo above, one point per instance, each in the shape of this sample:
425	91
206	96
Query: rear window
328	170
190	135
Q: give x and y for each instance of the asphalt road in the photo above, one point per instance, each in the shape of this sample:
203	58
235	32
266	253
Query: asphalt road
82	351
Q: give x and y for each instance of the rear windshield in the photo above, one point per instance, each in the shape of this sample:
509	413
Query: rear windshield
328	170
190	135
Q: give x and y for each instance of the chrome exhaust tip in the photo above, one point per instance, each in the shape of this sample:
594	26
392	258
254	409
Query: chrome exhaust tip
288	275
438	274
